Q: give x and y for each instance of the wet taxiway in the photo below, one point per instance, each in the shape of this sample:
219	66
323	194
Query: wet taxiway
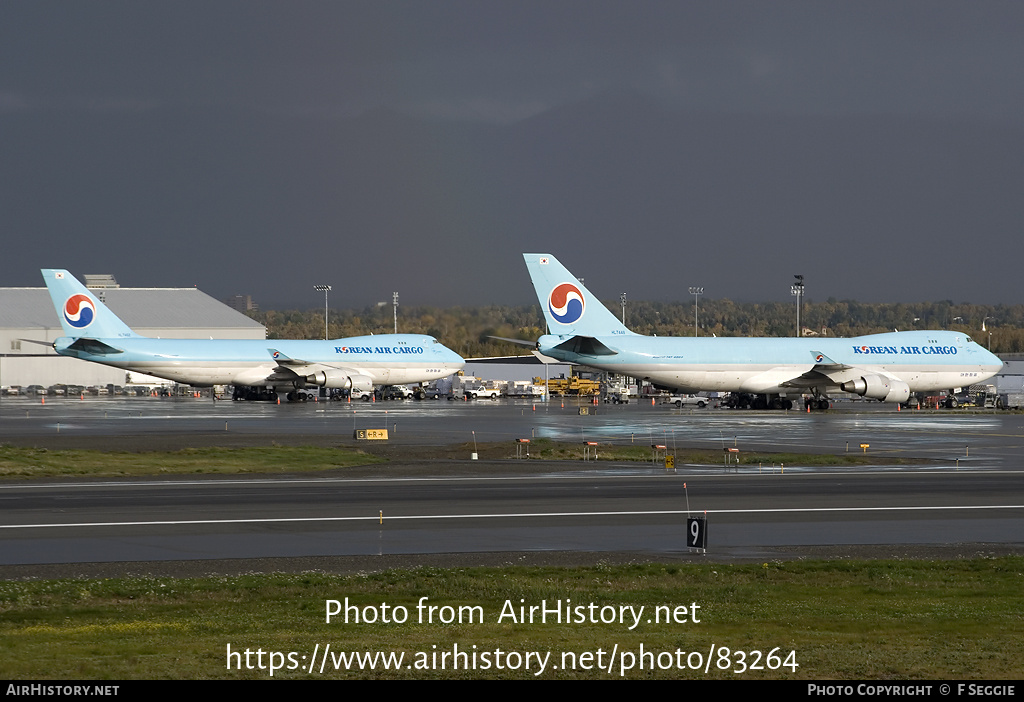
968	489
982	439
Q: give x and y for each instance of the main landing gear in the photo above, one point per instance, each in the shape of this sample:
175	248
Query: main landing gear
266	394
817	402
746	400
251	394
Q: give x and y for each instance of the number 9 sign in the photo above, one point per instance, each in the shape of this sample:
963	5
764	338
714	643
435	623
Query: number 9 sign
697	532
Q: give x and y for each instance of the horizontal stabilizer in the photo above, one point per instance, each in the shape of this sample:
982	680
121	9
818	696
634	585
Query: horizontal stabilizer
93	347
547	360
520	342
529	359
586	346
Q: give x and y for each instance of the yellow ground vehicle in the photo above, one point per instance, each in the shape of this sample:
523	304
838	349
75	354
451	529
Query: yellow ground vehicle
571	386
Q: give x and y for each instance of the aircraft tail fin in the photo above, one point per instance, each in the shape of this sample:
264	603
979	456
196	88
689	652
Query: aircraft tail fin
82	314
568	306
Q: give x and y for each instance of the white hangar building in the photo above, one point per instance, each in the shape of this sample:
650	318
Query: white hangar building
27	315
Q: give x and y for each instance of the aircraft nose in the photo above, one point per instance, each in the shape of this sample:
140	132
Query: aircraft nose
992	363
997	363
450	358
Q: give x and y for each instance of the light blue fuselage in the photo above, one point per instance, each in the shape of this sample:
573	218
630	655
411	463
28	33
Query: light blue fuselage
387	359
925	360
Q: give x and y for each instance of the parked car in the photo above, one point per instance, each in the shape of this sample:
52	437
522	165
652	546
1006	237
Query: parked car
476	391
692	400
365	395
399	392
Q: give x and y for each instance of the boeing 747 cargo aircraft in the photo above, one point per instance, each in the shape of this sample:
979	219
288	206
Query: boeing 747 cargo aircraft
94	333
772	371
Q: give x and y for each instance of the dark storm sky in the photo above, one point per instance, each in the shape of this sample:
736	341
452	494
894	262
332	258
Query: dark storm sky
261	147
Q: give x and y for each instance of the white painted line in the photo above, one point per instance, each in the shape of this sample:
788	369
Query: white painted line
413	517
592	473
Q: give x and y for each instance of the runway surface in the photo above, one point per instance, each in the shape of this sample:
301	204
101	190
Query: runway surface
968	490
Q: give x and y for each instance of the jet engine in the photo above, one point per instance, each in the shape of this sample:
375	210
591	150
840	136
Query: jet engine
339	379
879	387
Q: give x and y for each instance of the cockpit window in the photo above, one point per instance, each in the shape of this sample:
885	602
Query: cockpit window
969	340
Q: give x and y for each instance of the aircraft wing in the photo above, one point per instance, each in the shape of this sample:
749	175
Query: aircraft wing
283	360
826	365
781	376
289	369
820	370
825	371
530	359
809	379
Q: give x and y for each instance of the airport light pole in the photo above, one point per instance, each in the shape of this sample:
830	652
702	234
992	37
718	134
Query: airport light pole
797	289
695	291
324	289
622	299
394	300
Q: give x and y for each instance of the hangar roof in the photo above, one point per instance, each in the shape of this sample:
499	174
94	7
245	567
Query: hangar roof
140	308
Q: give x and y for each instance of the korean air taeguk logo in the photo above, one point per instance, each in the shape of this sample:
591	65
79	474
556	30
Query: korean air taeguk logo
79	311
566	303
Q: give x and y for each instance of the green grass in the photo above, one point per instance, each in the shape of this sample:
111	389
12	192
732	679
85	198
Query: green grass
29	463
17	462
547	449
843	620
